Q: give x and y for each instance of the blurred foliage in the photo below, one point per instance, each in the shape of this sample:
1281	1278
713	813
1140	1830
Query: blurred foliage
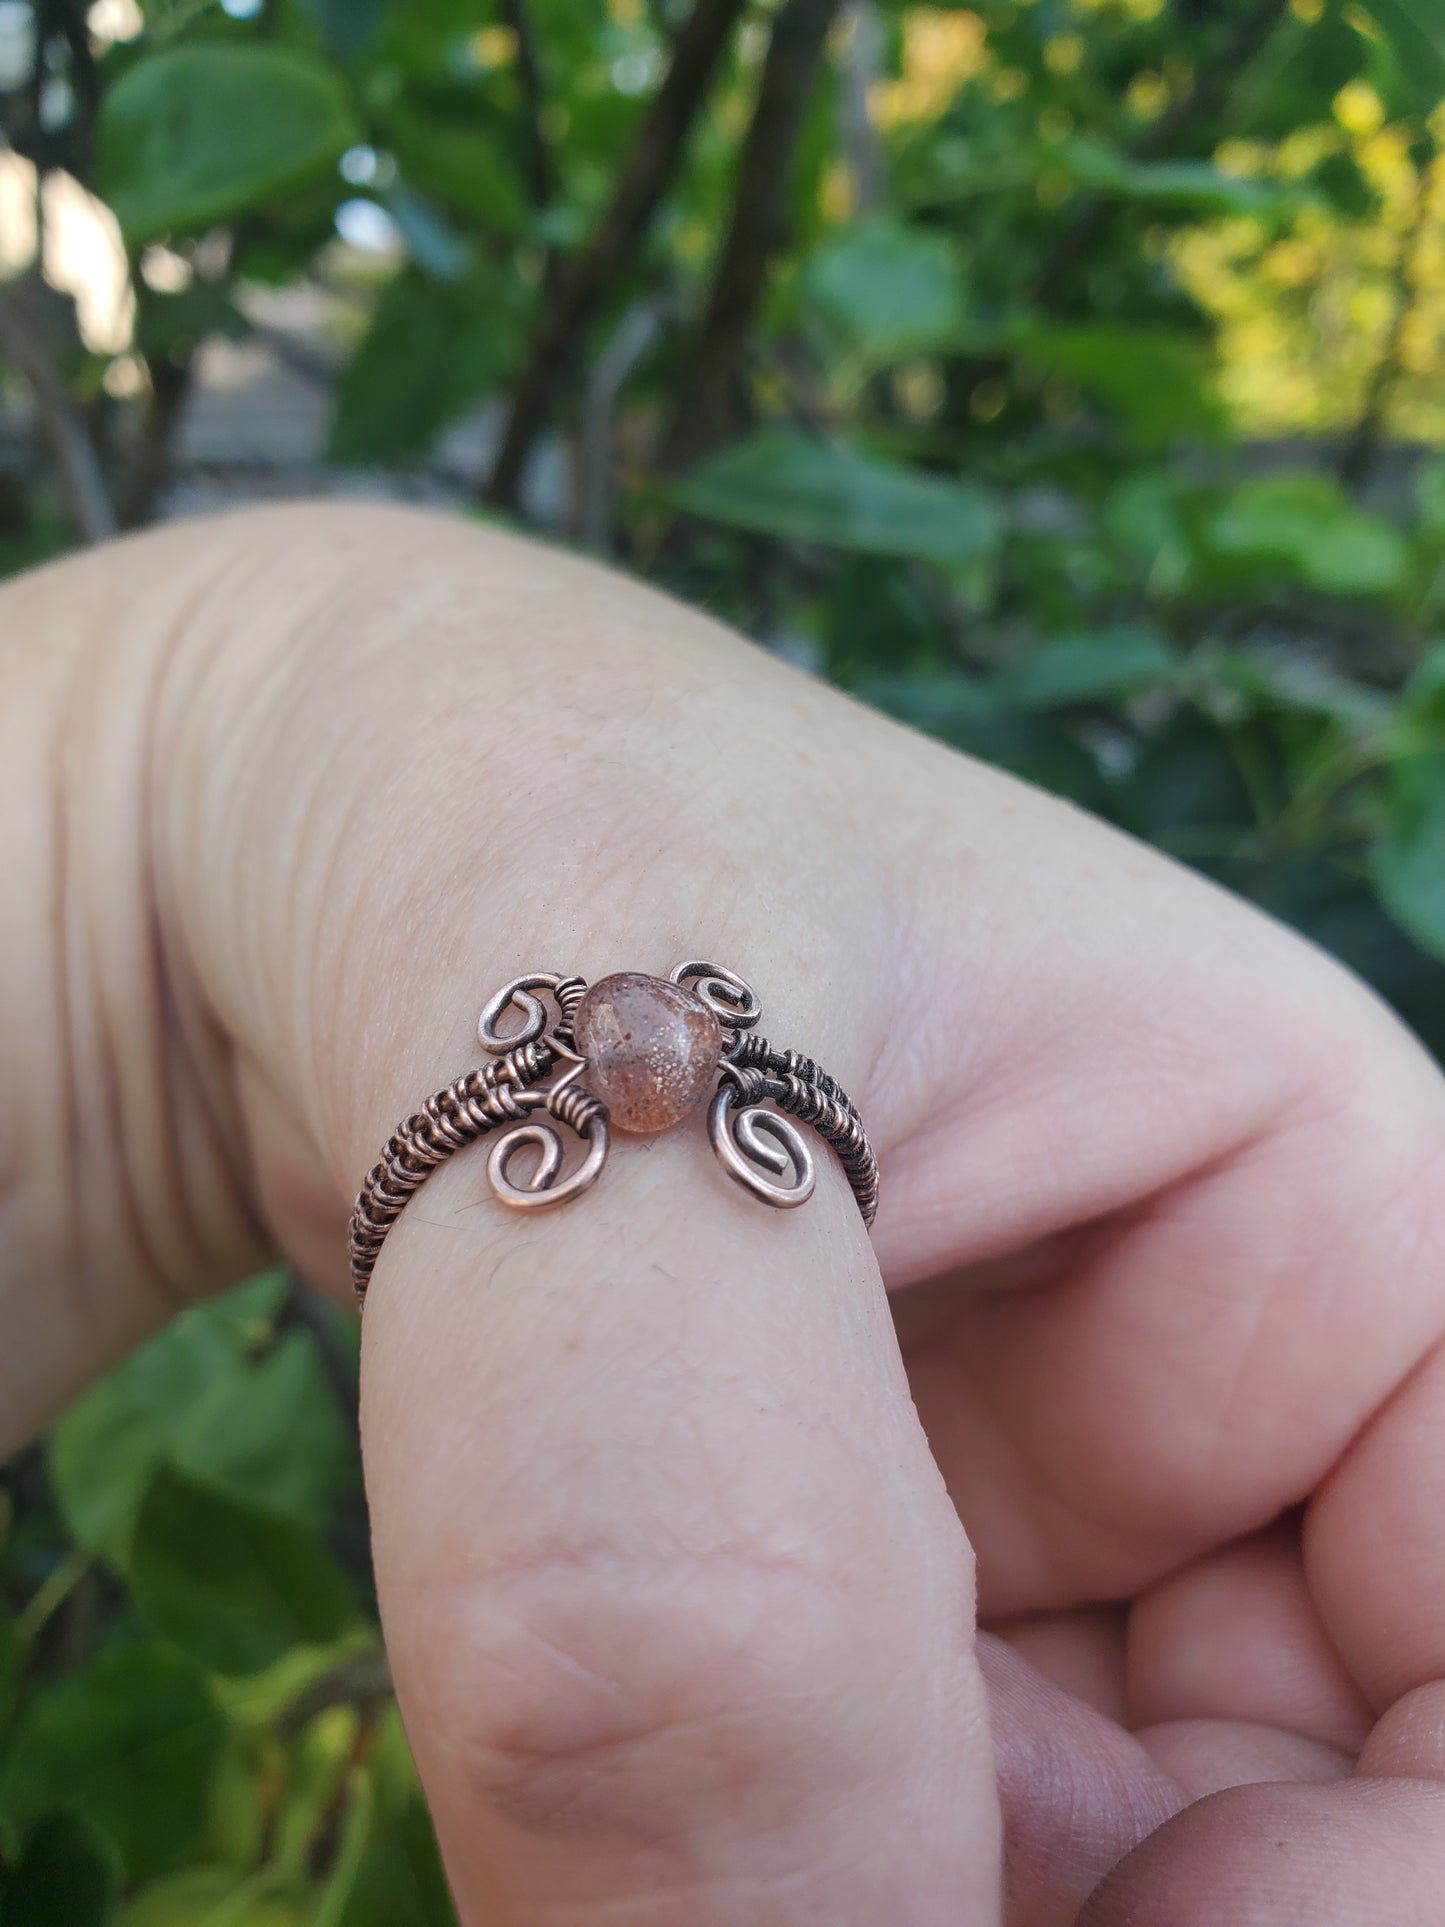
1063	376
199	1729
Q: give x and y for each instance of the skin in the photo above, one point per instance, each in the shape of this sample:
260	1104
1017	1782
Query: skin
679	1503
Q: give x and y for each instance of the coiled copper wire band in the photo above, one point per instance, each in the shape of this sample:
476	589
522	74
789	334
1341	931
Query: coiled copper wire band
755	1071
476	1103
757	1146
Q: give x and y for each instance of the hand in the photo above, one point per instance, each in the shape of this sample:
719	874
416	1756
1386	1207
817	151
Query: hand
674	1581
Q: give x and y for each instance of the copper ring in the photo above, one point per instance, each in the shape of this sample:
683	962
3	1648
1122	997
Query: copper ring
634	1053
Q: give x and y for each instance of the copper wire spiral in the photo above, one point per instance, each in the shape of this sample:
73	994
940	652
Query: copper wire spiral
476	1103
756	1072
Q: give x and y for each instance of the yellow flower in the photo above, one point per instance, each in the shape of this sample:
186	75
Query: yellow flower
1147	95
1290	263
1358	108
1244	159
942	51
838	190
493	46
1304	148
1420	343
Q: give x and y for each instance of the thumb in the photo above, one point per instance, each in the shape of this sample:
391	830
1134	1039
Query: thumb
679	1612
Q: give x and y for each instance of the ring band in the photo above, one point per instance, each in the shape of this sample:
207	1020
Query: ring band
633	1053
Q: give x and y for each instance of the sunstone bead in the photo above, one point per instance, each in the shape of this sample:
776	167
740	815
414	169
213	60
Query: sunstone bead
652	1049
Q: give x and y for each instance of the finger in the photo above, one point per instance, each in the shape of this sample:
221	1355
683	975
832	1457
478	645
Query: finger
1375	1535
1083	1652
1205	1755
1135	1389
1371	1848
124	1190
1280	1855
677	1609
679	1614
1077	1791
1236	1636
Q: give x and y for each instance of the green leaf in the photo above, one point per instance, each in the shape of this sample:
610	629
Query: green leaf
1430	495
887	289
1422	701
1407	55
797	489
1408	862
266	1429
1101	665
213	1897
347	27
1302	526
192	134
431	351
190	1899
1147	516
234	1585
66	1877
877	617
257	1700
451	146
1198	186
1234	681
1186	792
105	1450
969	715
1159	381
942	703
131	1743
272	1432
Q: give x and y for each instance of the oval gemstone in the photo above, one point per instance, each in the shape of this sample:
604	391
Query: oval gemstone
651	1049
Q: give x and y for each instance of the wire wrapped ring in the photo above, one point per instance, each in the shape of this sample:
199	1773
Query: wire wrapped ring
632	1053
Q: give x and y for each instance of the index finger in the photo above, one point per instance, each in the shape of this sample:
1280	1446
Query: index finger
679	1613
675	1601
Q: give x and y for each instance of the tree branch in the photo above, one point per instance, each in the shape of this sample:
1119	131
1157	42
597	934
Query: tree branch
540	184
710	395
860	69
170	382
633	336
62	419
361	1679
582	287
302	1309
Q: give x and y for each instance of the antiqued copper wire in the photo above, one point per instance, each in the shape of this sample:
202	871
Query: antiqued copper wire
753	1071
760	1090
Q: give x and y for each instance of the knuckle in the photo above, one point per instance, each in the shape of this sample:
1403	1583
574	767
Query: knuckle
583	1692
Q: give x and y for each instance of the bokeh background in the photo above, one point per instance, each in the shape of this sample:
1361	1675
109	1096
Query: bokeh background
1065	376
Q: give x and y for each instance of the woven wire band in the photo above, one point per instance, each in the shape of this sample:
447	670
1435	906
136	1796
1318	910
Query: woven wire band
478	1102
758	1146
755	1071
